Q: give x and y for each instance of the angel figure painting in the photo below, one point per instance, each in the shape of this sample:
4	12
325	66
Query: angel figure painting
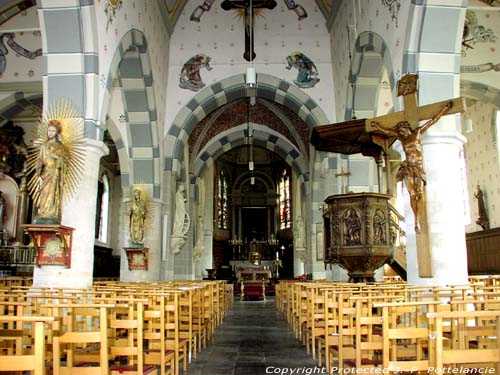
56	161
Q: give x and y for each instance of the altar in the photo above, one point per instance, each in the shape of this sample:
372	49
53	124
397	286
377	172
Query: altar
254	282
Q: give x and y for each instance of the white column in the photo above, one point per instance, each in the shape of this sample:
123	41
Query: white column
445	209
79	213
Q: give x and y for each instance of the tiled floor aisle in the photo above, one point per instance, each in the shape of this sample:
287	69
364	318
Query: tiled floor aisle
253	339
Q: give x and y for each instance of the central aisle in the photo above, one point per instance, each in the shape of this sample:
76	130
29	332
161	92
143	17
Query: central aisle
253	339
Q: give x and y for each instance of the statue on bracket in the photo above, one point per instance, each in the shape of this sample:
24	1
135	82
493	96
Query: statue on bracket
182	221
482	216
137	218
57	160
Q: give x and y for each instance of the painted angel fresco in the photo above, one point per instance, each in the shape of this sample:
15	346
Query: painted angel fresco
190	77
308	73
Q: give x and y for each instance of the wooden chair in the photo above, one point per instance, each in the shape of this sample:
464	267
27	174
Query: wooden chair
475	340
80	342
21	359
156	324
405	335
126	345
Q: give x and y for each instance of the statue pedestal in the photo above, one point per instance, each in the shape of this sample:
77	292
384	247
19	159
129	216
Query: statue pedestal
137	258
52	243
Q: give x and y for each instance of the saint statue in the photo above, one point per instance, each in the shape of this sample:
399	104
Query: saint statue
56	161
51	169
482	219
137	218
182	221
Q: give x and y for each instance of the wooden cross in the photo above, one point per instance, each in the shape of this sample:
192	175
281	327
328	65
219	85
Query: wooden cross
248	7
405	127
343	174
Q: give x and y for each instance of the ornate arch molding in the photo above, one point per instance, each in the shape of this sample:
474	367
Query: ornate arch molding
131	69
480	92
227	91
17	103
263	137
370	56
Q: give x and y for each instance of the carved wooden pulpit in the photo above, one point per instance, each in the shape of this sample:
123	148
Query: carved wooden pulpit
374	137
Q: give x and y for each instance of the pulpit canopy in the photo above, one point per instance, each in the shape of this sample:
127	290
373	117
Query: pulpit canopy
349	137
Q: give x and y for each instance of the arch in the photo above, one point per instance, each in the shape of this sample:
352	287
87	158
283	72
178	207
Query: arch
122	151
480	92
132	69
17	103
262	136
229	90
370	56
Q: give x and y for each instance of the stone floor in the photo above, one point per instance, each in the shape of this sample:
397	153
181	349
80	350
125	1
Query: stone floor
253	339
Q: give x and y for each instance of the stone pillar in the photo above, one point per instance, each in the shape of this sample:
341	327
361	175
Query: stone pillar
445	210
79	213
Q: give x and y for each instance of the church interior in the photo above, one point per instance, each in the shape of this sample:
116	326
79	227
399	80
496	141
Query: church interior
311	183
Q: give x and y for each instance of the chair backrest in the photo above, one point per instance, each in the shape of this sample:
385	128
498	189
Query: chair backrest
475	339
20	358
80	327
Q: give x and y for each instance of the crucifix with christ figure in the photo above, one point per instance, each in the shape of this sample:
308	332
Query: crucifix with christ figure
405	127
248	6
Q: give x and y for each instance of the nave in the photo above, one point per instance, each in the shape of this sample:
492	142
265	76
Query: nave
253	339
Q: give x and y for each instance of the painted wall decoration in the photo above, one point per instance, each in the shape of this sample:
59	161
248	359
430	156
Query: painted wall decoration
9	38
481	68
200	9
190	77
308	73
110	9
298	9
475	33
393	7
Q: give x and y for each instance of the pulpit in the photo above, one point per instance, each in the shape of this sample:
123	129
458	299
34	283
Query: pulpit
360	232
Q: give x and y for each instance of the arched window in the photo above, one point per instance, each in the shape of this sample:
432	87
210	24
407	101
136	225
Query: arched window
284	200
102	209
222	203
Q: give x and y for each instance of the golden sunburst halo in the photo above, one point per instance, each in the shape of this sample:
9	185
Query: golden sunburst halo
72	137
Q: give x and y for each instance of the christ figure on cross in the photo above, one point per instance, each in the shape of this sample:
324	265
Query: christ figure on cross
248	7
412	170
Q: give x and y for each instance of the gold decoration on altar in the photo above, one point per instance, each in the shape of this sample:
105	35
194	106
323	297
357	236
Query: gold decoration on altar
56	160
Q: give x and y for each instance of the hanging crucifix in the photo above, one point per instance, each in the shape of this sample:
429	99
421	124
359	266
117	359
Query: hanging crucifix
405	127
248	6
